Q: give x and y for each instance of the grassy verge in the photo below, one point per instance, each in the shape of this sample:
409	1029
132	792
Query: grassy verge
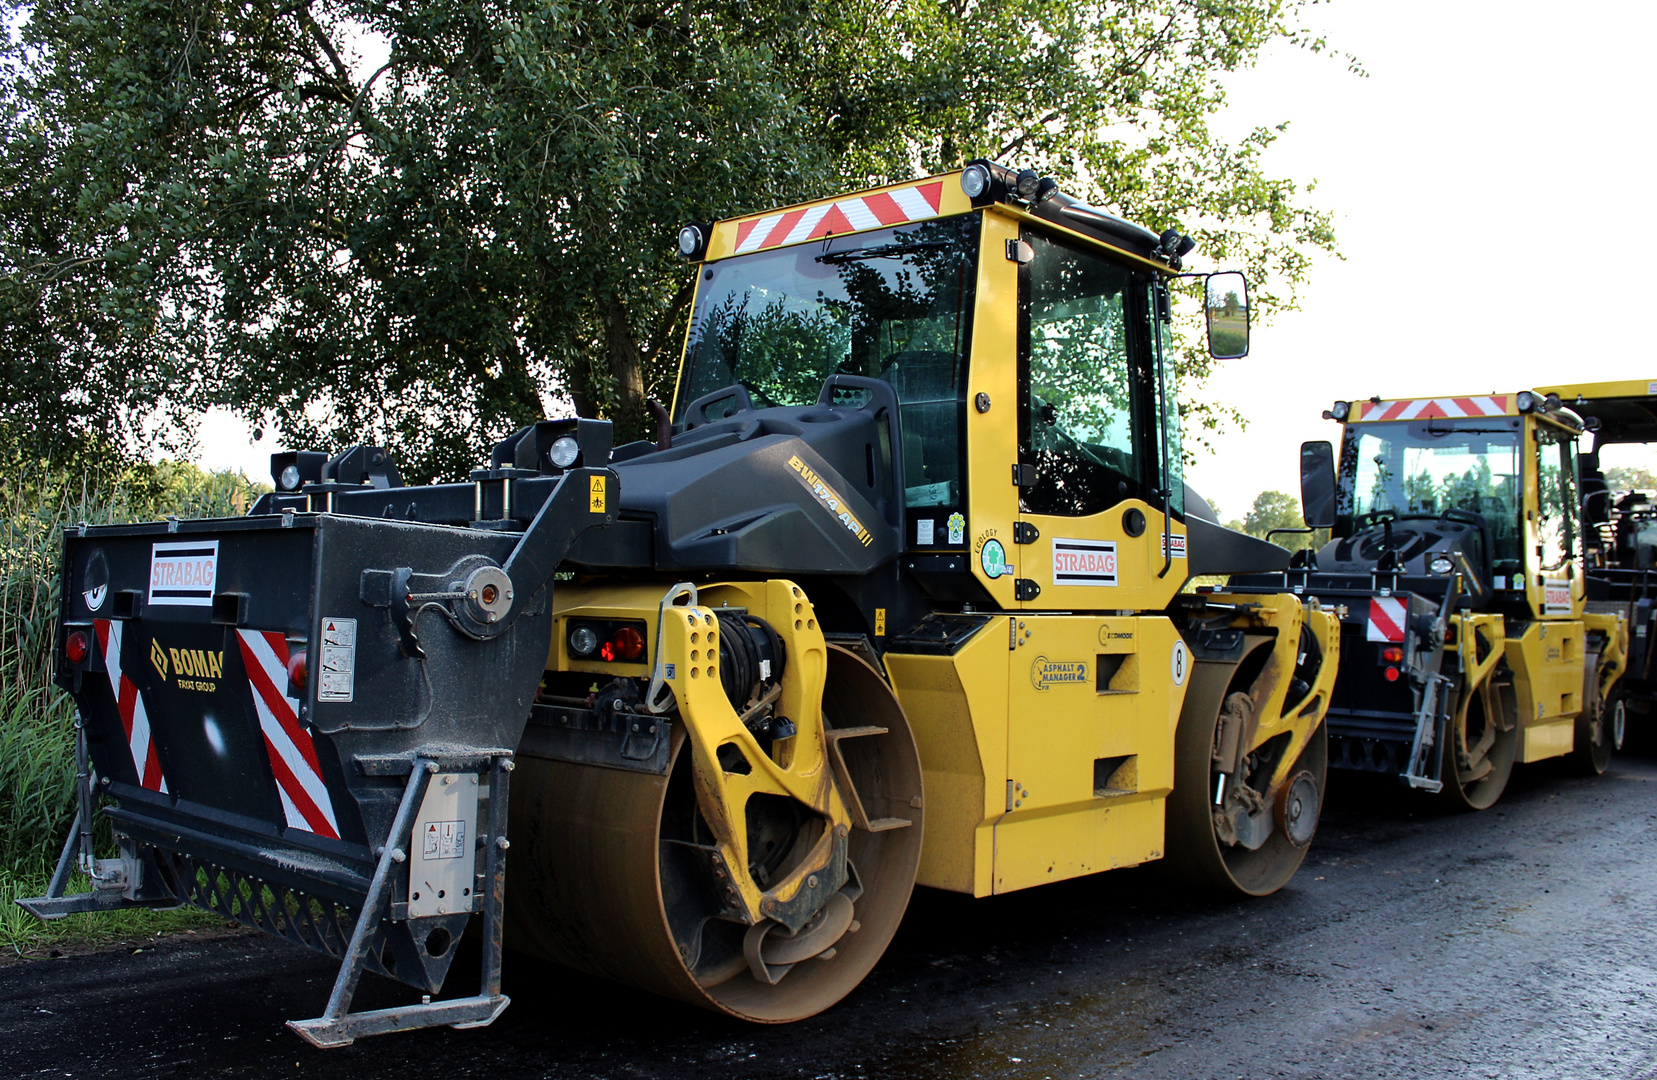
37	760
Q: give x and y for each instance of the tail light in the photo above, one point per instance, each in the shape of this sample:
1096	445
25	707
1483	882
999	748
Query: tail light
76	647
1391	674
297	668
1392	654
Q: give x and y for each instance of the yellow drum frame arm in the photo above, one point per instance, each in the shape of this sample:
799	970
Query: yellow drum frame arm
690	652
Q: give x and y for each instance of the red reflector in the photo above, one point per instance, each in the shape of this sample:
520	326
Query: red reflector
296	667
76	647
1392	654
607	651
629	643
1391	674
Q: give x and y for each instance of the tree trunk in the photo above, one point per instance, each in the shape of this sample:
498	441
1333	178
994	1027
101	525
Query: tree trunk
626	369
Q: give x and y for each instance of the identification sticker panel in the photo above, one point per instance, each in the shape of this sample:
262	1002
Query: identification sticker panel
336	678
1084	562
183	573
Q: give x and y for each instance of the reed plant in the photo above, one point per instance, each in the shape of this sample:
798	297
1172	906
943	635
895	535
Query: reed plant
37	753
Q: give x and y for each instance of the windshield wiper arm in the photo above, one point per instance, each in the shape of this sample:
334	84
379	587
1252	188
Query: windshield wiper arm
881	251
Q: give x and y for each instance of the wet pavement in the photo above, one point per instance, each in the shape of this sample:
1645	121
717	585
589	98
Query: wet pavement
1521	942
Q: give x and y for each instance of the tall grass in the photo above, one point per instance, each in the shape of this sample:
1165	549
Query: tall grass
37	753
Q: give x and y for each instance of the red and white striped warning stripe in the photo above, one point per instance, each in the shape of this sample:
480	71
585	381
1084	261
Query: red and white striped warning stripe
1434	408
848	215
1386	619
134	718
293	760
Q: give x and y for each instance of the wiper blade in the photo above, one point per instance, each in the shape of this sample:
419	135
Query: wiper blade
881	251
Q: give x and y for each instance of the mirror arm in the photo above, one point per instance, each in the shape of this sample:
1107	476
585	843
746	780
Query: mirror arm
1167	488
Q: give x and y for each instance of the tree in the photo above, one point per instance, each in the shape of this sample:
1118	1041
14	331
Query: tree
429	254
1272	510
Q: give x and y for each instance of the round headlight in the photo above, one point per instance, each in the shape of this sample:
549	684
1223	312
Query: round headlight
1525	400
290	477
690	240
1441	565
1341	410
583	640
1028	183
975	180
564	451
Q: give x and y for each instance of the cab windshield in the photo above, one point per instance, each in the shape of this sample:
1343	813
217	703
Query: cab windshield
1427	467
892	304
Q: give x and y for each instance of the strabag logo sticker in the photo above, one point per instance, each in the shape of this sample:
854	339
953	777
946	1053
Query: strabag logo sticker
1556	596
1045	673
1178	544
1084	562
184	573
831	499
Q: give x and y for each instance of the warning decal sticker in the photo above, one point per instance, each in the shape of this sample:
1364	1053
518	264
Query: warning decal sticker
336	677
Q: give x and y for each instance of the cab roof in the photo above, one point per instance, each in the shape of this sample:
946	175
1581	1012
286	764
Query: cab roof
1626	410
920	200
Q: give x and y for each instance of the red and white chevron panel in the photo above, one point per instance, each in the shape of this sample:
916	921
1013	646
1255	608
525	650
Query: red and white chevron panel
1386	619
293	760
848	215
1444	408
130	704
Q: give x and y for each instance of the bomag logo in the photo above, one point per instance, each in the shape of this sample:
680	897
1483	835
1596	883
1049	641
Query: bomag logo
1045	673
831	499
192	669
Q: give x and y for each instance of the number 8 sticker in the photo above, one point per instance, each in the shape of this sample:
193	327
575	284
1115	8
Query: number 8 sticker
1179	663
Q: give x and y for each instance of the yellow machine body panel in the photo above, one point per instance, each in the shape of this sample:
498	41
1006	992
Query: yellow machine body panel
992	432
1092	706
1047	747
1547	664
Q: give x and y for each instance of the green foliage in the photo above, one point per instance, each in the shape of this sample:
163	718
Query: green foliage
1630	478
426	254
36	718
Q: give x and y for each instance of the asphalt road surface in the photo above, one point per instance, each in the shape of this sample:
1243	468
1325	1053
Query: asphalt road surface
1521	942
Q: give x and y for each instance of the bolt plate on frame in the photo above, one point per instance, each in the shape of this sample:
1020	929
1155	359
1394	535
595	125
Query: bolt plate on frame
442	859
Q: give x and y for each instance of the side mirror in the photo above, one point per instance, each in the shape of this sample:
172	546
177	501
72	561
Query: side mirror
1317	484
1226	303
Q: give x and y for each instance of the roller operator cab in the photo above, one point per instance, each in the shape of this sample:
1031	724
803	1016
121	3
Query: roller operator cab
1456	555
893	597
1619	524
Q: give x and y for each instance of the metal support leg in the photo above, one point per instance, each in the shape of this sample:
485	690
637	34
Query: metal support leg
112	879
338	1026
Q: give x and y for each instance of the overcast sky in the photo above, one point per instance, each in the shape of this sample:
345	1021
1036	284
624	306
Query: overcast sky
1493	204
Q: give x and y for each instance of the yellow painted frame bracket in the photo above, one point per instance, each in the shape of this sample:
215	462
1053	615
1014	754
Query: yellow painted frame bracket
688	650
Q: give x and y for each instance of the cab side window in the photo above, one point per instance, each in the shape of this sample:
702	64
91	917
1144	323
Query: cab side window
1556	489
1083	390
